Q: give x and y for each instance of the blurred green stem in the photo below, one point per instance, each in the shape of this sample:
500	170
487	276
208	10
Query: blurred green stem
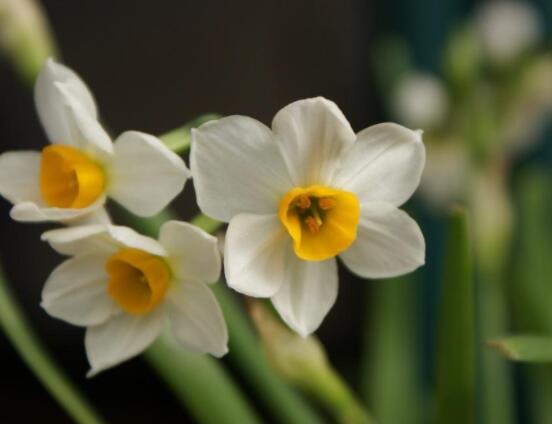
200	383
456	388
179	139
25	342
334	394
529	285
392	352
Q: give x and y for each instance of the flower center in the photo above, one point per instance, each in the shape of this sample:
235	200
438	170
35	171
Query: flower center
138	280
68	178
322	221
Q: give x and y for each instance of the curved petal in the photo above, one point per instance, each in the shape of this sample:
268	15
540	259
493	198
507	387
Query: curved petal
192	253
99	238
144	174
38	212
308	293
76	291
98	217
255	254
85	132
49	102
19	176
312	135
237	168
196	318
389	243
385	164
120	338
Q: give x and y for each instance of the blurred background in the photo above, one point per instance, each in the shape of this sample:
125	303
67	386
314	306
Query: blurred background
480	87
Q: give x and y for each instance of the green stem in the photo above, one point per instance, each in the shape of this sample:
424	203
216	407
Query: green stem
456	387
200	383
179	140
335	395
246	354
392	352
26	343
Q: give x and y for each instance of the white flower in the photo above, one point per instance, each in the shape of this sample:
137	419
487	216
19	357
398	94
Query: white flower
507	29
420	100
73	176
304	192
122	286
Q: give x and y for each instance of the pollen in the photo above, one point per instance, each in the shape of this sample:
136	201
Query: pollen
138	280
69	178
321	221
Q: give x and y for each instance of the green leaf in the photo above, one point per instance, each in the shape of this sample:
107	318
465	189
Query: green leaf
524	348
456	391
392	352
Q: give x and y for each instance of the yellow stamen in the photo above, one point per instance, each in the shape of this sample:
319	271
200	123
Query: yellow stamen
68	178
303	202
138	280
321	221
313	224
326	203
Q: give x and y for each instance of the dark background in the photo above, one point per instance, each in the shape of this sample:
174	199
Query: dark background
153	66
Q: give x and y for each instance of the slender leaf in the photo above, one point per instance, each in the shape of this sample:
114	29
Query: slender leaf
524	348
392	356
456	391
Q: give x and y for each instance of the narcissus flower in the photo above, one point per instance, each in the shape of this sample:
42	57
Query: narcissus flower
123	286
303	193
73	176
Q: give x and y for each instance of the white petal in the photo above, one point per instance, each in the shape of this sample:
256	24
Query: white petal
237	168
389	243
99	238
120	338
192	253
308	293
85	132
385	164
98	217
312	134
196	318
39	212
20	176
255	254
144	174
50	105
76	291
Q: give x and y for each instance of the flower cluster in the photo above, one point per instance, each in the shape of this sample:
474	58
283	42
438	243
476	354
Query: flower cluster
296	197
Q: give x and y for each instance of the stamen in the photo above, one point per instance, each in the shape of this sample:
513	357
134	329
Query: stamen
313	224
326	203
303	202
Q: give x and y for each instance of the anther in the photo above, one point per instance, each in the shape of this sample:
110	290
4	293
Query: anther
313	224
326	203
303	202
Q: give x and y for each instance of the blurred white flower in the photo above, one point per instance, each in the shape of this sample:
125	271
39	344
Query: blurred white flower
532	106
420	101
73	176
123	286
25	35
445	179
303	193
507	29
